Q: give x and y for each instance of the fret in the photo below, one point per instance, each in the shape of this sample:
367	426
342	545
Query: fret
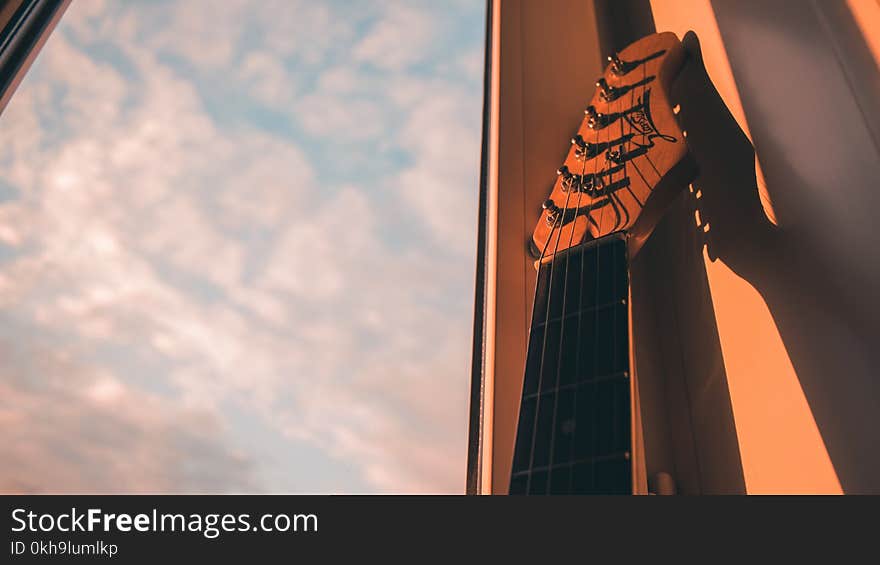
584	353
609	263
621	456
602	475
588	409
576	313
573	434
572	385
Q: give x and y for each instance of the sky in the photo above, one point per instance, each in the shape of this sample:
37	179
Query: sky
237	248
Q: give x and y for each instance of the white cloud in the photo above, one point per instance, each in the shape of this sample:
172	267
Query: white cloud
176	266
441	134
342	79
327	115
472	63
207	35
88	432
269	81
399	38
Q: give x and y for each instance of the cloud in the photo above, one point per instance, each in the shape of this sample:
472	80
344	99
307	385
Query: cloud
175	277
269	81
341	116
441	135
82	430
399	38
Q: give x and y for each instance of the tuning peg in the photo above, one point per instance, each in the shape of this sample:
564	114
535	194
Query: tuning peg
585	149
572	181
618	66
595	120
553	211
566	178
550	206
608	92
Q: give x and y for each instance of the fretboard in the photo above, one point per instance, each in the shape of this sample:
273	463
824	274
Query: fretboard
573	435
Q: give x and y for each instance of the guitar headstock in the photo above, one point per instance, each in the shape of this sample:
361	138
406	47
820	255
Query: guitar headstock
628	159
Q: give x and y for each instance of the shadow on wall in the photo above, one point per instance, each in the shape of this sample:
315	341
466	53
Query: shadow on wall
689	427
818	270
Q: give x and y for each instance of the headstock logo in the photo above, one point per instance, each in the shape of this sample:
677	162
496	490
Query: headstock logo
641	122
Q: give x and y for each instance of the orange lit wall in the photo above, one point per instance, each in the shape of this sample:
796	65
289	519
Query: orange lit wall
781	447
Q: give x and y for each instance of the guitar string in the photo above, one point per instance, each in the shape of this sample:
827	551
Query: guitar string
588	216
625	149
594	386
556	389
580	308
597	274
550	281
562	322
534	302
560	220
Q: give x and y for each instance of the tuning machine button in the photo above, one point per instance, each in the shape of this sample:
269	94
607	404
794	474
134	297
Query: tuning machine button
567	178
553	212
585	149
575	182
618	66
595	120
606	91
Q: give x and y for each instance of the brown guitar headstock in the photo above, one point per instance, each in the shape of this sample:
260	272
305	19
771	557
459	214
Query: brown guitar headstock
628	159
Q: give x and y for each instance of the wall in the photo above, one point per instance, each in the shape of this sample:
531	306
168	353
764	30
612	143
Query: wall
770	310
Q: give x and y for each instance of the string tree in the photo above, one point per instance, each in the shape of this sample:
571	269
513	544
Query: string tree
616	156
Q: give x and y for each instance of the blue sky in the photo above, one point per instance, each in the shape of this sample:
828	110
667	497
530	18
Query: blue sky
237	248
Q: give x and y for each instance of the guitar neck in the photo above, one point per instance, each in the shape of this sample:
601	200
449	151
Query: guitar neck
574	431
